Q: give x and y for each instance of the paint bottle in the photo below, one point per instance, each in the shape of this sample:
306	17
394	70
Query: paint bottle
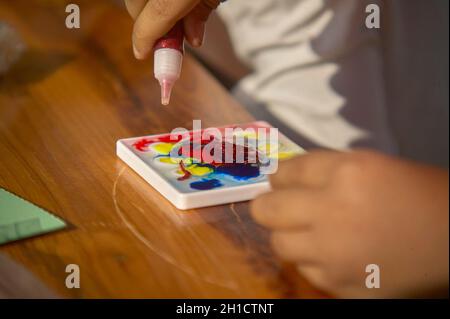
168	58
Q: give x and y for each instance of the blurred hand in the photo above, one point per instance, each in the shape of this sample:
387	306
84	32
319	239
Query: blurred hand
154	18
335	213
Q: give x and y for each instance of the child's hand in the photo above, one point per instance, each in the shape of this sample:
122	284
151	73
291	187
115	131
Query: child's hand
153	18
334	213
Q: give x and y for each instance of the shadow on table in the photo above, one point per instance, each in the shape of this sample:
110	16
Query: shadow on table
32	67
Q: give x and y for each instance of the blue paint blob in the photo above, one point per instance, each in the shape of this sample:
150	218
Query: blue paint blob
206	184
239	171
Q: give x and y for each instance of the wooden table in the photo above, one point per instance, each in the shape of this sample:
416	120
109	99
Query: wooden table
62	108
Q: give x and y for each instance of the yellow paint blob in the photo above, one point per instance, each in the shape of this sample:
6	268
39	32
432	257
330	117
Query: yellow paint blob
174	160
248	134
268	148
285	155
196	170
169	160
162	148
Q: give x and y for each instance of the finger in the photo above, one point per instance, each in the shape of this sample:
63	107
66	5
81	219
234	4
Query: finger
314	274
194	22
295	246
155	20
135	7
287	208
309	170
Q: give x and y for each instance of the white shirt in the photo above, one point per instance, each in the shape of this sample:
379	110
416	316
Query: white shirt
323	73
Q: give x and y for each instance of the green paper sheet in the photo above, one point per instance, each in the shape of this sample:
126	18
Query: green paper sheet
21	219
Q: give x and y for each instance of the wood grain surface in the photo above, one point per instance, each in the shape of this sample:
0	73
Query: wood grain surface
62	107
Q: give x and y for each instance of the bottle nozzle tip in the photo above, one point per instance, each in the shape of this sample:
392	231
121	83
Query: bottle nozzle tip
165	100
166	90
